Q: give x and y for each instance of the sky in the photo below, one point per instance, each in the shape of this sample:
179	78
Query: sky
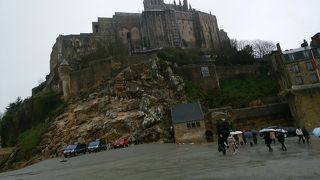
29	28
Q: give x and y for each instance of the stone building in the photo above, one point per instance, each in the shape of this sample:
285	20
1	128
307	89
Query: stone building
190	124
297	71
159	25
163	25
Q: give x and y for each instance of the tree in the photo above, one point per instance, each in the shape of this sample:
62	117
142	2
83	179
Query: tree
262	48
1	115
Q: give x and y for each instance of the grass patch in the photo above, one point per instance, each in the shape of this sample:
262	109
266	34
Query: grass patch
29	139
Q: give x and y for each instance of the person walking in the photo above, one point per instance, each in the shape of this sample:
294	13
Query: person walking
240	139
232	144
254	136
273	137
268	140
306	134
222	144
281	139
248	135
300	134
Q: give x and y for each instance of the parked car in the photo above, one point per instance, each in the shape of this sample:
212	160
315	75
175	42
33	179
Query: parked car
121	143
97	145
75	149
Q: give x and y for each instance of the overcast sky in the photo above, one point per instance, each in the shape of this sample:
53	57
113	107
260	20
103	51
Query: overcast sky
29	28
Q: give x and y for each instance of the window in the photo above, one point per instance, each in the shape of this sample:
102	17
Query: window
306	54
291	57
198	124
188	125
299	80
309	66
314	78
318	51
205	71
193	125
295	68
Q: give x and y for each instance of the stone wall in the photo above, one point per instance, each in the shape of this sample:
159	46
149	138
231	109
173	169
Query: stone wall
305	106
229	72
209	31
183	134
186	28
262	116
194	73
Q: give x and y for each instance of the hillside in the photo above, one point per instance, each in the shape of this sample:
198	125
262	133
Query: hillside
135	104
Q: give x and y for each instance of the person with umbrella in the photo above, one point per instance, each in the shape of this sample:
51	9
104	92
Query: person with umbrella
281	138
222	144
300	134
255	133
268	140
266	136
249	136
306	134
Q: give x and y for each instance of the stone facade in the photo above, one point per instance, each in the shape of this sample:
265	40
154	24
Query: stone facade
203	75
297	71
159	25
185	133
162	25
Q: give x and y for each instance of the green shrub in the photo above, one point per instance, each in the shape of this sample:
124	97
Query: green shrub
29	139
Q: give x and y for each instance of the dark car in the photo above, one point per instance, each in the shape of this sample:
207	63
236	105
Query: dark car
97	145
75	149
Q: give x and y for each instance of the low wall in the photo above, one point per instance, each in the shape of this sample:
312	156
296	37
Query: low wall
262	116
230	72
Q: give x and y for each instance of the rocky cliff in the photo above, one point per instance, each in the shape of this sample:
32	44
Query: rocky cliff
135	104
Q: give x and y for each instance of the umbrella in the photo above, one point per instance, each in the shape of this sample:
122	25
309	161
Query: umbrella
248	134
236	132
316	132
281	131
267	130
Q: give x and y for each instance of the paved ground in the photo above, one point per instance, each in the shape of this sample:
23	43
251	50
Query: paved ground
170	161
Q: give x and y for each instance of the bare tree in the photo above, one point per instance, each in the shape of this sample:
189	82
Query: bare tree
262	48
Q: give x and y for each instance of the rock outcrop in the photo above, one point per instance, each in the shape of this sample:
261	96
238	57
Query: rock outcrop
135	104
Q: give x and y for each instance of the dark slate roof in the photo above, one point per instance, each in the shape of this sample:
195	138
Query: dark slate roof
186	112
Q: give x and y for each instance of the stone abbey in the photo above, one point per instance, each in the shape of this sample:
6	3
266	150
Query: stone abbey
160	25
163	25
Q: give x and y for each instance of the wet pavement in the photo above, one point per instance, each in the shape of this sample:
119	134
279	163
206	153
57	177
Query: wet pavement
171	161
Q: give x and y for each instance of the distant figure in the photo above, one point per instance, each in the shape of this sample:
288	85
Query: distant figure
222	144
254	136
268	140
232	144
273	137
240	139
300	134
281	139
306	134
249	135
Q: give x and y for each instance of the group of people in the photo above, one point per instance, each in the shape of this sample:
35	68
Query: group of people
233	141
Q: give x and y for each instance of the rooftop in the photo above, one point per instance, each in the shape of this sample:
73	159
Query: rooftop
186	112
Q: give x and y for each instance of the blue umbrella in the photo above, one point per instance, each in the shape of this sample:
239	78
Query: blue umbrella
316	132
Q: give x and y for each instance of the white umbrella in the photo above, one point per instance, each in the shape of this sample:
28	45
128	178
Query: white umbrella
267	130
281	130
236	132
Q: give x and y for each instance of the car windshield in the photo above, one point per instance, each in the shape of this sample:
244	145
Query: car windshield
70	147
94	143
